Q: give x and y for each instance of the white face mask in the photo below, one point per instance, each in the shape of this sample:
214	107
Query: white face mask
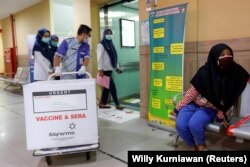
109	37
86	40
45	40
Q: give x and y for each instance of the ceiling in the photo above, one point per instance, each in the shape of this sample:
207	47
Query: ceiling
132	5
7	8
101	2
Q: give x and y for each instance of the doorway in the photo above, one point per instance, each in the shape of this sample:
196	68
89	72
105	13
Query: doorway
128	82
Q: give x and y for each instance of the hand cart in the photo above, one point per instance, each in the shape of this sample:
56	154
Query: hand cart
61	117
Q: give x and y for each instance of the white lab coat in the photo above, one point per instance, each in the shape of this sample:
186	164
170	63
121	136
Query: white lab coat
103	58
42	67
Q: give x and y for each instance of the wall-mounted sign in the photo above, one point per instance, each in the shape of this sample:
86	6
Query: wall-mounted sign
127	29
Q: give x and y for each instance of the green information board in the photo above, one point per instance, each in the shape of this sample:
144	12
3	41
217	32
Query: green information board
166	27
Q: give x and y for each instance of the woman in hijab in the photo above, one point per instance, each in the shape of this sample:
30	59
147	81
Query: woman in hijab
214	89
53	43
43	58
107	62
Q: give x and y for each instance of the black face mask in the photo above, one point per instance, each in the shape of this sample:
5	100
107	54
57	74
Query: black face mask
226	63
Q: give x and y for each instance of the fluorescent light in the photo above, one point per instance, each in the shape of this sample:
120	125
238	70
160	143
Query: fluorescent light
135	18
113	14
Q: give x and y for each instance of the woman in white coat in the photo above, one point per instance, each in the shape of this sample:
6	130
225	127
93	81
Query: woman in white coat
43	58
107	62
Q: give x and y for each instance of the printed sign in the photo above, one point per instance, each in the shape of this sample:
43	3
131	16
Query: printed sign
166	27
60	113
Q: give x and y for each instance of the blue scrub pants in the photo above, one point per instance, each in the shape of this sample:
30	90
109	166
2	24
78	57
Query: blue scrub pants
191	122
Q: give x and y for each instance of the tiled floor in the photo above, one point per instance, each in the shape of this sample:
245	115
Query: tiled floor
115	140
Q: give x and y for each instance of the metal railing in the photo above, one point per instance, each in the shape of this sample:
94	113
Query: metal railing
129	66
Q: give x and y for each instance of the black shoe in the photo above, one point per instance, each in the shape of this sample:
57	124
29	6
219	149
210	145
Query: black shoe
118	107
104	106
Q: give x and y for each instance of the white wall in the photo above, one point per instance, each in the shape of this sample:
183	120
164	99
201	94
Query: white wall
27	22
81	14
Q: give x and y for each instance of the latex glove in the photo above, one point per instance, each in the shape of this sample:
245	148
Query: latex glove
119	71
58	71
82	70
51	71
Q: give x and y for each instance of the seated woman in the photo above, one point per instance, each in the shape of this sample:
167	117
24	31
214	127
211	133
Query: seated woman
214	89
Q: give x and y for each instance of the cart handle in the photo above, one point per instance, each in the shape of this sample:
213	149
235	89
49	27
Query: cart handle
68	73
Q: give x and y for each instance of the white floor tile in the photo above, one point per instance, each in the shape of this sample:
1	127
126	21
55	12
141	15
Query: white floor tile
116	139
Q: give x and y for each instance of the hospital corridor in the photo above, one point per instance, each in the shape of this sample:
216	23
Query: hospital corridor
124	83
116	139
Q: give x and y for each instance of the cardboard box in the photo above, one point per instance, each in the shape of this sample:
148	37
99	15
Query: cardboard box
60	113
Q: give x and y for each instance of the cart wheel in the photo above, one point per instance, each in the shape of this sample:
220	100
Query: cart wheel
49	160
88	155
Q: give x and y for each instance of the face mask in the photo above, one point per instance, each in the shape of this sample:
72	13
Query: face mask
45	40
109	37
226	63
53	43
86	40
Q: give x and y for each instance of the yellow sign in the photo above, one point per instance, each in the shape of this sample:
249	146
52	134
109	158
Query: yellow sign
159	49
168	102
174	84
161	20
176	48
158	66
156	103
158	82
159	33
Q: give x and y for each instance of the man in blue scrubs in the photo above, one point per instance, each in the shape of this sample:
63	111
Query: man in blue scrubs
73	54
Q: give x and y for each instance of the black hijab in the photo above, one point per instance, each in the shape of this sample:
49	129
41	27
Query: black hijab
110	48
217	86
42	47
